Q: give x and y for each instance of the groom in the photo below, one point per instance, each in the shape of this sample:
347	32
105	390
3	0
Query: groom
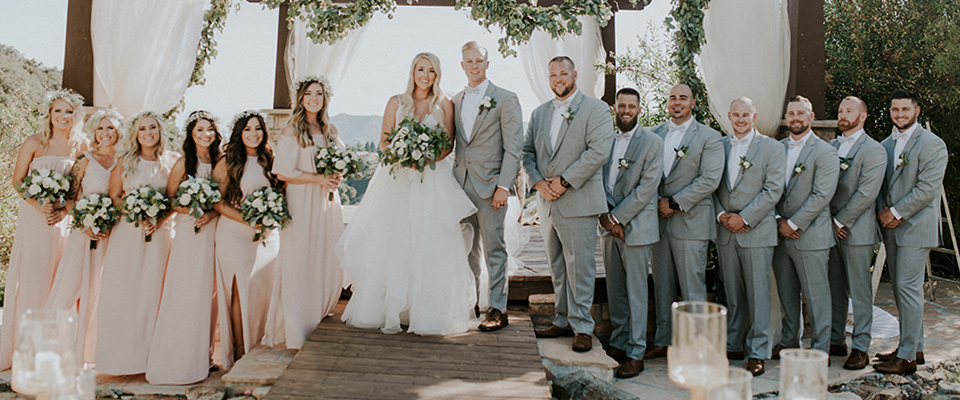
567	144
487	159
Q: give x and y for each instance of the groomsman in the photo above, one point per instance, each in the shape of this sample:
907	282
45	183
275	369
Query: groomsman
862	165
487	159
692	168
805	227
910	216
752	186
568	141
628	230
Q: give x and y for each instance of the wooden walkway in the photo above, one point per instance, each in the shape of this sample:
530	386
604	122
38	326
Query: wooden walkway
340	362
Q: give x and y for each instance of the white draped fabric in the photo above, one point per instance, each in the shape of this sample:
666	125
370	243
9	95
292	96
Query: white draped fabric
747	53
585	50
304	57
144	52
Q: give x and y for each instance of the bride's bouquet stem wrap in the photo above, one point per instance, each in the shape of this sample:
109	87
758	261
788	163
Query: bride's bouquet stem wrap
414	145
199	195
265	209
95	212
145	204
333	160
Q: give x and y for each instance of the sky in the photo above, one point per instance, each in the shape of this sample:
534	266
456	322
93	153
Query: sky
242	75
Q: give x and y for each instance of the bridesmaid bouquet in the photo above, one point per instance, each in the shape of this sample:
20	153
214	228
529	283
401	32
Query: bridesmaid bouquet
335	160
266	208
145	204
414	145
46	186
95	212
199	195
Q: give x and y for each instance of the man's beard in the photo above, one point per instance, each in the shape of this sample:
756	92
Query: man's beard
803	128
626	126
563	91
846	125
908	124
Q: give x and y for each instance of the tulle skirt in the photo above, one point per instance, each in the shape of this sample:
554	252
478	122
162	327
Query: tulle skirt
404	253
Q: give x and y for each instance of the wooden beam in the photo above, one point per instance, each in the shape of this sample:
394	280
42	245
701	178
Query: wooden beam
618	4
78	50
808	53
281	91
608	35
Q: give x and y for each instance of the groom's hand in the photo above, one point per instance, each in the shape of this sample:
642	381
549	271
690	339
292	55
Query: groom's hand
543	188
500	198
556	186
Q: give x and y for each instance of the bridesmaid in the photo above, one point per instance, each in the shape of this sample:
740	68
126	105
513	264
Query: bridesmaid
245	268
310	277
180	349
78	274
40	234
133	268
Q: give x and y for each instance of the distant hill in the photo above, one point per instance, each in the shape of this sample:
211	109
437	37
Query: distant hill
357	128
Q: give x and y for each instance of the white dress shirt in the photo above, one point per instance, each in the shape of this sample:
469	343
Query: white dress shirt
738	149
470	106
794	148
621	141
559	108
671	143
846	143
901	139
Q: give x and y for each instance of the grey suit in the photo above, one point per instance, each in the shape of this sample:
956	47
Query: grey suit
633	203
681	254
745	258
801	264
913	189
569	222
854	206
490	158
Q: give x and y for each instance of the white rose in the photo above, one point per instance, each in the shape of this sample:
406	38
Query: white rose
82	204
157	196
401	151
258	203
96	230
153	211
48	182
107	201
341	164
404	131
184	199
88	221
272	196
416	155
323	153
44	172
424	137
145	190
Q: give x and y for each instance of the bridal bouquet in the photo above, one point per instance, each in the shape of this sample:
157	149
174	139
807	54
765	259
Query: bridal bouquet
335	160
413	144
265	209
145	204
199	195
95	212
46	186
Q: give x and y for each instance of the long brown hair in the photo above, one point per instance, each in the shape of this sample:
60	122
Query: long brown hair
235	155
298	118
191	159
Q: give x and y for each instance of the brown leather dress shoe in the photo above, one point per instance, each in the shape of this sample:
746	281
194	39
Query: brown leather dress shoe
896	366
630	368
755	366
775	354
495	320
617	355
655	352
857	360
838	349
893	354
582	342
736	355
553	331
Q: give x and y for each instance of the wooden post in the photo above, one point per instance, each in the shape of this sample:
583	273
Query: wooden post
78	50
608	35
808	53
281	91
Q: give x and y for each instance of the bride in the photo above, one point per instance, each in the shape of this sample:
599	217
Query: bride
403	250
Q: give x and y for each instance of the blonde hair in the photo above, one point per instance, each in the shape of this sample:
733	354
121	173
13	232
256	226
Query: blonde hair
473	45
298	118
434	98
75	136
110	114
130	151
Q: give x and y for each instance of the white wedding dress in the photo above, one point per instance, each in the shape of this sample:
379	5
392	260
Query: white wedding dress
404	253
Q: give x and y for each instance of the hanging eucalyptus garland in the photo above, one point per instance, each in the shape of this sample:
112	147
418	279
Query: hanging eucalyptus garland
213	21
687	18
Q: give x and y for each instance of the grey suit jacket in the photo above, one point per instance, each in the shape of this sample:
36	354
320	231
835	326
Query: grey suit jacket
806	199
634	195
755	193
491	157
583	146
854	203
692	181
914	188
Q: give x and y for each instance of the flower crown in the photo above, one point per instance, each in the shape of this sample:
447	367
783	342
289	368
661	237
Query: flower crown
67	95
308	79
247	114
198	115
110	113
136	119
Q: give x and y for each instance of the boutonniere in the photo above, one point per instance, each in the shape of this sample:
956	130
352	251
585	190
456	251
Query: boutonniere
799	169
902	160
745	164
624	163
681	152
845	163
487	104
568	115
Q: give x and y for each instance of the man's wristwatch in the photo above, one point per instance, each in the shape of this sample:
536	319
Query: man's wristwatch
673	203
564	183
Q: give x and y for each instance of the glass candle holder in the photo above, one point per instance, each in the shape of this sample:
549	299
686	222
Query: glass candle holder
697	358
737	387
44	358
803	374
